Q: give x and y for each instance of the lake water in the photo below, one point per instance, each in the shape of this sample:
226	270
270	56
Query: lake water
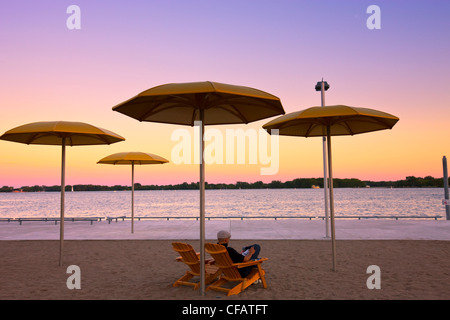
248	202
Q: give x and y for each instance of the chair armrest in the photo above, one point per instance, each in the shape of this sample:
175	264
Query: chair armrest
207	261
249	263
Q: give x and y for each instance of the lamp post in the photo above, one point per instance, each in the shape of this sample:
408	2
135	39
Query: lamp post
446	199
323	86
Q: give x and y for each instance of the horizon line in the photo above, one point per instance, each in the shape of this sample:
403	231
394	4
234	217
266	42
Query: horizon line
224	183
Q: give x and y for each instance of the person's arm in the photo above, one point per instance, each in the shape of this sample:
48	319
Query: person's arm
251	251
235	256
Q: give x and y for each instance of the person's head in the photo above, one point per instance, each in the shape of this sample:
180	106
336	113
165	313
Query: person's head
223	236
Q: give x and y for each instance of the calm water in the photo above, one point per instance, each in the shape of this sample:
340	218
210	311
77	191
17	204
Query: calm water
266	202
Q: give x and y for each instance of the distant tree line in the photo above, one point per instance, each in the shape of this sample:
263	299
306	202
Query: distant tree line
409	182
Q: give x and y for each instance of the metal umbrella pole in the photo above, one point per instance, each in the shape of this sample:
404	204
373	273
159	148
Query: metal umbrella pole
132	196
323	86
202	205
330	170
63	190
446	200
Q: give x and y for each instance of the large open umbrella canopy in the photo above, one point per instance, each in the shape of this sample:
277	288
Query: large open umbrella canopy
61	133
331	121
211	103
127	158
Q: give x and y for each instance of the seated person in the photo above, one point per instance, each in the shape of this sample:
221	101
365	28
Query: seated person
248	252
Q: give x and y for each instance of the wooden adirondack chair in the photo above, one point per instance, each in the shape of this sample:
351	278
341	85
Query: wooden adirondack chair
230	271
191	258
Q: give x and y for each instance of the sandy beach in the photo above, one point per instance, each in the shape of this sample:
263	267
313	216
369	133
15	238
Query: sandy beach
297	270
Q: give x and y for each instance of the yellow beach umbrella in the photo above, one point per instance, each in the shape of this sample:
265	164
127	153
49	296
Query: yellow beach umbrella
210	103
127	158
61	133
213	103
331	121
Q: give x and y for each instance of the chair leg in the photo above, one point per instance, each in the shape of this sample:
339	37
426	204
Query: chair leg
210	277
262	275
237	289
247	282
183	279
217	285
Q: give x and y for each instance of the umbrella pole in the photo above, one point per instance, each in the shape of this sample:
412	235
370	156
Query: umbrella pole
132	196
63	190
325	187
202	207
330	171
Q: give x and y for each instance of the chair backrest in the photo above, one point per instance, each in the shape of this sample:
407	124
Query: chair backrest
188	255
223	260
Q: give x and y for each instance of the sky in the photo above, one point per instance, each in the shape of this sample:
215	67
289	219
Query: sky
52	72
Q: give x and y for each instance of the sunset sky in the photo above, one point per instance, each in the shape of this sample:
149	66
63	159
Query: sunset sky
284	47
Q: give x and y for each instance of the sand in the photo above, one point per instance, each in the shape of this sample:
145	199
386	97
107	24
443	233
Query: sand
297	270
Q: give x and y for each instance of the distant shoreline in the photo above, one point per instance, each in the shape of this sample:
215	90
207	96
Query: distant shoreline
299	183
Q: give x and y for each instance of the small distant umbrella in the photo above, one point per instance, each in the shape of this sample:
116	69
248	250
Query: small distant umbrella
127	158
61	133
211	103
331	121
